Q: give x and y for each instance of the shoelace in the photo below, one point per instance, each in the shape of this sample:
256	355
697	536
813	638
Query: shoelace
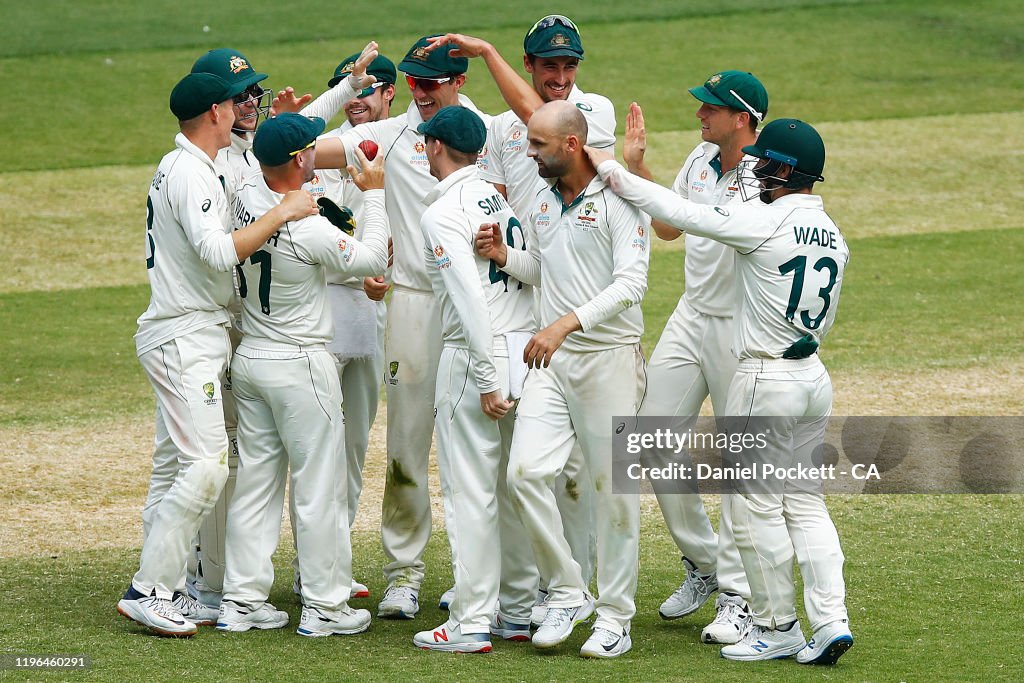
753	635
187	604
558	616
732	612
166	609
605	637
400	592
690	586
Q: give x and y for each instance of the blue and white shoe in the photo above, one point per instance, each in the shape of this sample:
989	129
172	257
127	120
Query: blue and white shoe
195	611
157	614
399	602
559	623
606	644
318	623
762	643
507	630
828	644
449	637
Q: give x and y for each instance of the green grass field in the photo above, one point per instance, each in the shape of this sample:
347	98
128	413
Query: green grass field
921	105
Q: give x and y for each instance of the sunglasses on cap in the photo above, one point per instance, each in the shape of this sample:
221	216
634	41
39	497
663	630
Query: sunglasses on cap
551	20
426	84
300	151
370	89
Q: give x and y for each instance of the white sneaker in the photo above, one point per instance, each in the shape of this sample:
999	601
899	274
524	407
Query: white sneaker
540	609
507	630
446	598
449	637
399	602
828	644
764	643
604	643
156	614
197	590
195	611
691	594
237	617
730	623
359	590
559	623
318	623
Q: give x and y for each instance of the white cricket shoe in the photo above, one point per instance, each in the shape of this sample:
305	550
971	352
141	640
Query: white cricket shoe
731	621
156	614
691	594
318	623
540	609
446	598
764	643
606	644
828	644
195	611
359	590
197	589
559	623
449	637
507	630
236	617
399	602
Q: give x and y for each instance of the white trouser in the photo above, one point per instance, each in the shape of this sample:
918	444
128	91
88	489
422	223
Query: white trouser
186	374
472	455
412	347
770	526
574	400
692	359
289	417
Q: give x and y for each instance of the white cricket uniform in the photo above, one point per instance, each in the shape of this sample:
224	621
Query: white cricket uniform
480	305
182	344
289	404
694	358
790	261
593	257
504	162
412	343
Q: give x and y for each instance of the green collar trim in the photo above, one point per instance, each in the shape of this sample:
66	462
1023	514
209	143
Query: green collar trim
716	164
566	207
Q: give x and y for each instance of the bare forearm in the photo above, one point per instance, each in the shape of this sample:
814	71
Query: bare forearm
518	94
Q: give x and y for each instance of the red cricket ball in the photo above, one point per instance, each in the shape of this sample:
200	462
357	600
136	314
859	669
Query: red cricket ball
369	148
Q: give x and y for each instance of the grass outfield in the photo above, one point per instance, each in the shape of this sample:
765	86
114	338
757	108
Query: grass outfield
921	105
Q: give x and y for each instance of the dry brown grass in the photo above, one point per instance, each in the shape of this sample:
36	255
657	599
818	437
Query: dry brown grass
70	488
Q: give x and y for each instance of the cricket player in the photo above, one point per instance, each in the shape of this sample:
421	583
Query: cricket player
412	341
790	261
357	304
183	346
236	164
289	398
693	357
486	315
552	51
591	249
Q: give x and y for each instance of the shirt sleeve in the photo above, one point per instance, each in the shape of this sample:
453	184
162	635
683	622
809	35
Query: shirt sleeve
448	235
196	208
600	121
524	265
341	254
350	139
630	238
743	228
330	101
491	165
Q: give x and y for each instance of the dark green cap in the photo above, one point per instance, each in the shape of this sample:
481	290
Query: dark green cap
381	68
279	139
434	64
196	93
792	142
554	36
231	65
458	127
736	90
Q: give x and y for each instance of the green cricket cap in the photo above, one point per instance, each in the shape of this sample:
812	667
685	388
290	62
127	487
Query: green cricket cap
554	36
196	93
231	65
734	89
434	64
381	68
458	127
792	142
279	139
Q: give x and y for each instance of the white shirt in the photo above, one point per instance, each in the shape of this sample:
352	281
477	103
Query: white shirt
189	250
478	301
790	259
407	181
284	284
591	258
504	161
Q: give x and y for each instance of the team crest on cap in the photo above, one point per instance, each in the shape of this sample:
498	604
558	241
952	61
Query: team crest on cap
715	80
208	389
348	67
420	54
559	40
237	64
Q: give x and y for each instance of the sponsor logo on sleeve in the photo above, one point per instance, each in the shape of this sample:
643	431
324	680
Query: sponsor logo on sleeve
640	242
443	260
206	205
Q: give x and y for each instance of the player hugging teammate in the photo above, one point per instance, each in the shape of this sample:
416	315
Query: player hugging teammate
517	249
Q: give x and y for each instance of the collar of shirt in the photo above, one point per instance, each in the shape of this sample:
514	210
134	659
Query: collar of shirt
463	175
800	201
184	143
593	187
241	143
